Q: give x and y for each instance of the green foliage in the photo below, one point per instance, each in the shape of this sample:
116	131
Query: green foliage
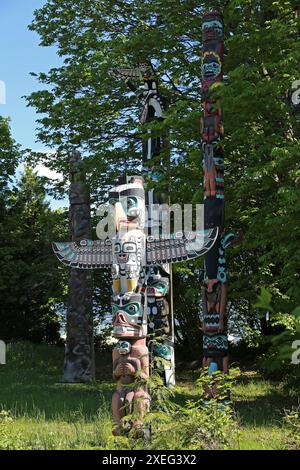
292	420
196	424
281	347
31	287
85	106
5	440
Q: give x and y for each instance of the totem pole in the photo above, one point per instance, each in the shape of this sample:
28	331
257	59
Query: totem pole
79	354
215	339
158	279
129	253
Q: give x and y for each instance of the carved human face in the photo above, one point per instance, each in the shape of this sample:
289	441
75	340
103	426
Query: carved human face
129	253
129	317
125	251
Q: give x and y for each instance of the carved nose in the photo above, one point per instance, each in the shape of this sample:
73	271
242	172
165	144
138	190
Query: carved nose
119	318
210	284
119	214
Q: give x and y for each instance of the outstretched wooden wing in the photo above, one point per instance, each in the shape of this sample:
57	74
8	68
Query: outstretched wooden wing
135	73
85	254
180	246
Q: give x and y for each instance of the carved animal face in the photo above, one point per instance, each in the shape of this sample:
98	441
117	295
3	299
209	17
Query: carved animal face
129	317
164	351
157	285
123	347
128	201
211	66
215	25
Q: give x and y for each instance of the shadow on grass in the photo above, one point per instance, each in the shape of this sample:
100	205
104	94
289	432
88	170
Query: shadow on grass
30	386
260	402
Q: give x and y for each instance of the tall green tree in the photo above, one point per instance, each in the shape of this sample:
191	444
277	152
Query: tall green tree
31	286
10	156
87	107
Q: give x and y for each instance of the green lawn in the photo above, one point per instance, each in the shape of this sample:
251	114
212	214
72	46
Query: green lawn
39	413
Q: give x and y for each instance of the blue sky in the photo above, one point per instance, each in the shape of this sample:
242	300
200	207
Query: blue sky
20	55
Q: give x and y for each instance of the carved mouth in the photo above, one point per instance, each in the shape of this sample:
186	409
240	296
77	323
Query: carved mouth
122	328
129	218
125	330
130	222
123	258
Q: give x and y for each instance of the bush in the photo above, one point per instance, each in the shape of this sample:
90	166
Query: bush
198	424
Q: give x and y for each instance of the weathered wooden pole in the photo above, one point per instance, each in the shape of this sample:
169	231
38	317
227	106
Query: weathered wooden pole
215	341
215	335
79	360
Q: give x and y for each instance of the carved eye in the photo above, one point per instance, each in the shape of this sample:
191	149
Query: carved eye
115	308
129	248
117	248
112	201
160	287
129	202
132	202
132	309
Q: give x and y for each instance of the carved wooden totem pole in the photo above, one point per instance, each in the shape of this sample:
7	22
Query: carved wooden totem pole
215	339
158	279
79	354
129	253
140	257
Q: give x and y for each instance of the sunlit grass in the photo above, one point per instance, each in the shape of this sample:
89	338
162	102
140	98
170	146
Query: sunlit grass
45	414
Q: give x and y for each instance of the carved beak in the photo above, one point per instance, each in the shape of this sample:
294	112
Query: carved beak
119	215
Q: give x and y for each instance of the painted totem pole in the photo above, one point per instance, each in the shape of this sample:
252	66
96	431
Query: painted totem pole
130	356
79	354
129	253
158	279
215	339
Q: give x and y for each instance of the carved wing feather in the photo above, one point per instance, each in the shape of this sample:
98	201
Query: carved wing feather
136	73
180	247
85	254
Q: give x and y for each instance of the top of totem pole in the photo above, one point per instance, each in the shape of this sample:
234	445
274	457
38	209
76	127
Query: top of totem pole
125	179
76	166
212	26
75	158
212	12
141	72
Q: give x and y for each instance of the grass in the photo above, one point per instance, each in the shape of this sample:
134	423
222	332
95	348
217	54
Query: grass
39	413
